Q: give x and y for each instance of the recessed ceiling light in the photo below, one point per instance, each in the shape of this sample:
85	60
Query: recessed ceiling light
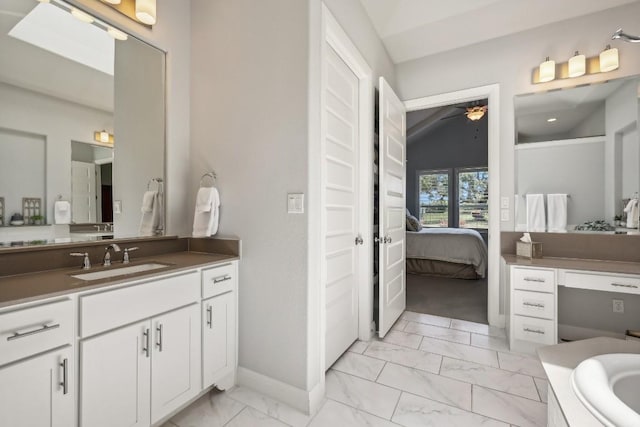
552	119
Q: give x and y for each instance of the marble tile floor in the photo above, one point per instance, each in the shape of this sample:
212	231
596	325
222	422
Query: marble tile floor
428	371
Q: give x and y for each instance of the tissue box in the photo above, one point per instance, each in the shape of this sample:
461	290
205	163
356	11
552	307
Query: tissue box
529	250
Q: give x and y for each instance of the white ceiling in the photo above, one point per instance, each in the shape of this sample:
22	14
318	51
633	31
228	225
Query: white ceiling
412	29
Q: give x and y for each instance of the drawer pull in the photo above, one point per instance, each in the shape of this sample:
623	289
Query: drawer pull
534	279
159	343
623	285
44	328
533	304
146	342
221	279
65	376
210	317
534	331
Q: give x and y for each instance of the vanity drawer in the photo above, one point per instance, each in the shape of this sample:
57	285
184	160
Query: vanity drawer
602	282
535	330
535	304
108	310
32	330
218	280
533	279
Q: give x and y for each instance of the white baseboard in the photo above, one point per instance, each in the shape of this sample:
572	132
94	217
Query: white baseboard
577	333
302	400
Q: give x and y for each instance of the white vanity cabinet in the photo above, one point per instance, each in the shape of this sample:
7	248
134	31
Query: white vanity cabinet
37	386
218	336
39	391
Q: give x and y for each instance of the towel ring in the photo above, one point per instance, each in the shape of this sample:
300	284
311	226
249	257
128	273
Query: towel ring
211	175
158	181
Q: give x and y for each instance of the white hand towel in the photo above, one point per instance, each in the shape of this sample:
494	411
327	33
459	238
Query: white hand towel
151	214
557	213
148	200
535	213
62	212
632	213
205	223
204	199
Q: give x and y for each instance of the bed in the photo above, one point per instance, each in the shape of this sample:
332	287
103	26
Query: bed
447	252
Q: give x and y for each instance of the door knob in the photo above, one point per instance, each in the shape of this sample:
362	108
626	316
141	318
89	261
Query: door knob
359	240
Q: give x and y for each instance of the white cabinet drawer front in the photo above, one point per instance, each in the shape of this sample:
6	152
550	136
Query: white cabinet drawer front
108	310
603	282
536	304
533	279
218	280
32	330
536	330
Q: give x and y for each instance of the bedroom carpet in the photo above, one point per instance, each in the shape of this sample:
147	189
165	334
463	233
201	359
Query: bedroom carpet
453	298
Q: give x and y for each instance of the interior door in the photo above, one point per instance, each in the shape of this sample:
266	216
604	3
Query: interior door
392	290
340	205
83	192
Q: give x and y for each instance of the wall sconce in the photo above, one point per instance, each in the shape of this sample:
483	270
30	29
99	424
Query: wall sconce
578	65
141	11
103	137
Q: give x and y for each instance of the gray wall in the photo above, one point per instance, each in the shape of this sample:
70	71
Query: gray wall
449	144
255	92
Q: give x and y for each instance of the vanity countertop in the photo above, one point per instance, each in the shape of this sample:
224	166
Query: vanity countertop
575	264
31	287
560	360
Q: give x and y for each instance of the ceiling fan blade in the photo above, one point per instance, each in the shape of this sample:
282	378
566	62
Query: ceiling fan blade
452	116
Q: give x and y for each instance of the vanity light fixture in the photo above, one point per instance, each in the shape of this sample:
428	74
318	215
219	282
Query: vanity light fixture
117	34
103	137
146	11
82	16
113	1
547	70
577	65
609	59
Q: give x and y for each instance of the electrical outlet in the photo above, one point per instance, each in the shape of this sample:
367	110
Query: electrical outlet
618	306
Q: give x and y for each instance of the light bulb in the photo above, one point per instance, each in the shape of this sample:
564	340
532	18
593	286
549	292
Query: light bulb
146	11
577	65
609	59
547	70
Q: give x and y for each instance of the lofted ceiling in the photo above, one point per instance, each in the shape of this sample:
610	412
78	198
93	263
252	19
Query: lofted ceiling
411	29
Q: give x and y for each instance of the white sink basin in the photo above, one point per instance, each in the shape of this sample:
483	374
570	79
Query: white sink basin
609	387
121	271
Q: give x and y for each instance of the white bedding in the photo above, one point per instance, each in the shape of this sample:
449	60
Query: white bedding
459	245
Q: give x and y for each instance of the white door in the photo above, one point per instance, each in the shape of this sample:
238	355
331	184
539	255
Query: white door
340	193
115	370
83	192
218	323
175	360
39	392
392	295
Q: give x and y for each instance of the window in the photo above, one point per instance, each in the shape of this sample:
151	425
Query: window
434	199
466	188
473	210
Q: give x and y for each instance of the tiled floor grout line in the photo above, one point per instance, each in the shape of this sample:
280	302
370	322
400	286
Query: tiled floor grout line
239	412
313	417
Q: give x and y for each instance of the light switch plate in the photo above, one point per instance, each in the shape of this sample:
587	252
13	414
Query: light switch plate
117	206
504	215
504	202
295	203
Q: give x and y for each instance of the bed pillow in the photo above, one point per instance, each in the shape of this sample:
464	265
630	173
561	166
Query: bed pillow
412	223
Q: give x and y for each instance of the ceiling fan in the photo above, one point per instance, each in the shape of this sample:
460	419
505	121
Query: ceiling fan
474	111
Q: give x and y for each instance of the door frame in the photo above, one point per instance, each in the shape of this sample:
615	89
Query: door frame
492	93
333	35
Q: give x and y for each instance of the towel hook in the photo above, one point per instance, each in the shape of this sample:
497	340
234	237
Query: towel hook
158	181
211	175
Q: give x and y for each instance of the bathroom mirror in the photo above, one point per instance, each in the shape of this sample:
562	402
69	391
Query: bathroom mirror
583	142
82	120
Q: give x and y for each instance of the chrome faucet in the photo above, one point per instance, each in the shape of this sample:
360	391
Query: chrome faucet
106	261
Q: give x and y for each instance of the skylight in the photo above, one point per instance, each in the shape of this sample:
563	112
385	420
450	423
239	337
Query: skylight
55	30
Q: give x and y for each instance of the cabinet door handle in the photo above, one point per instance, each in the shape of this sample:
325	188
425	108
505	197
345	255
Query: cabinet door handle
534	331
534	279
159	343
210	317
145	348
533	304
623	285
44	328
65	376
221	278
